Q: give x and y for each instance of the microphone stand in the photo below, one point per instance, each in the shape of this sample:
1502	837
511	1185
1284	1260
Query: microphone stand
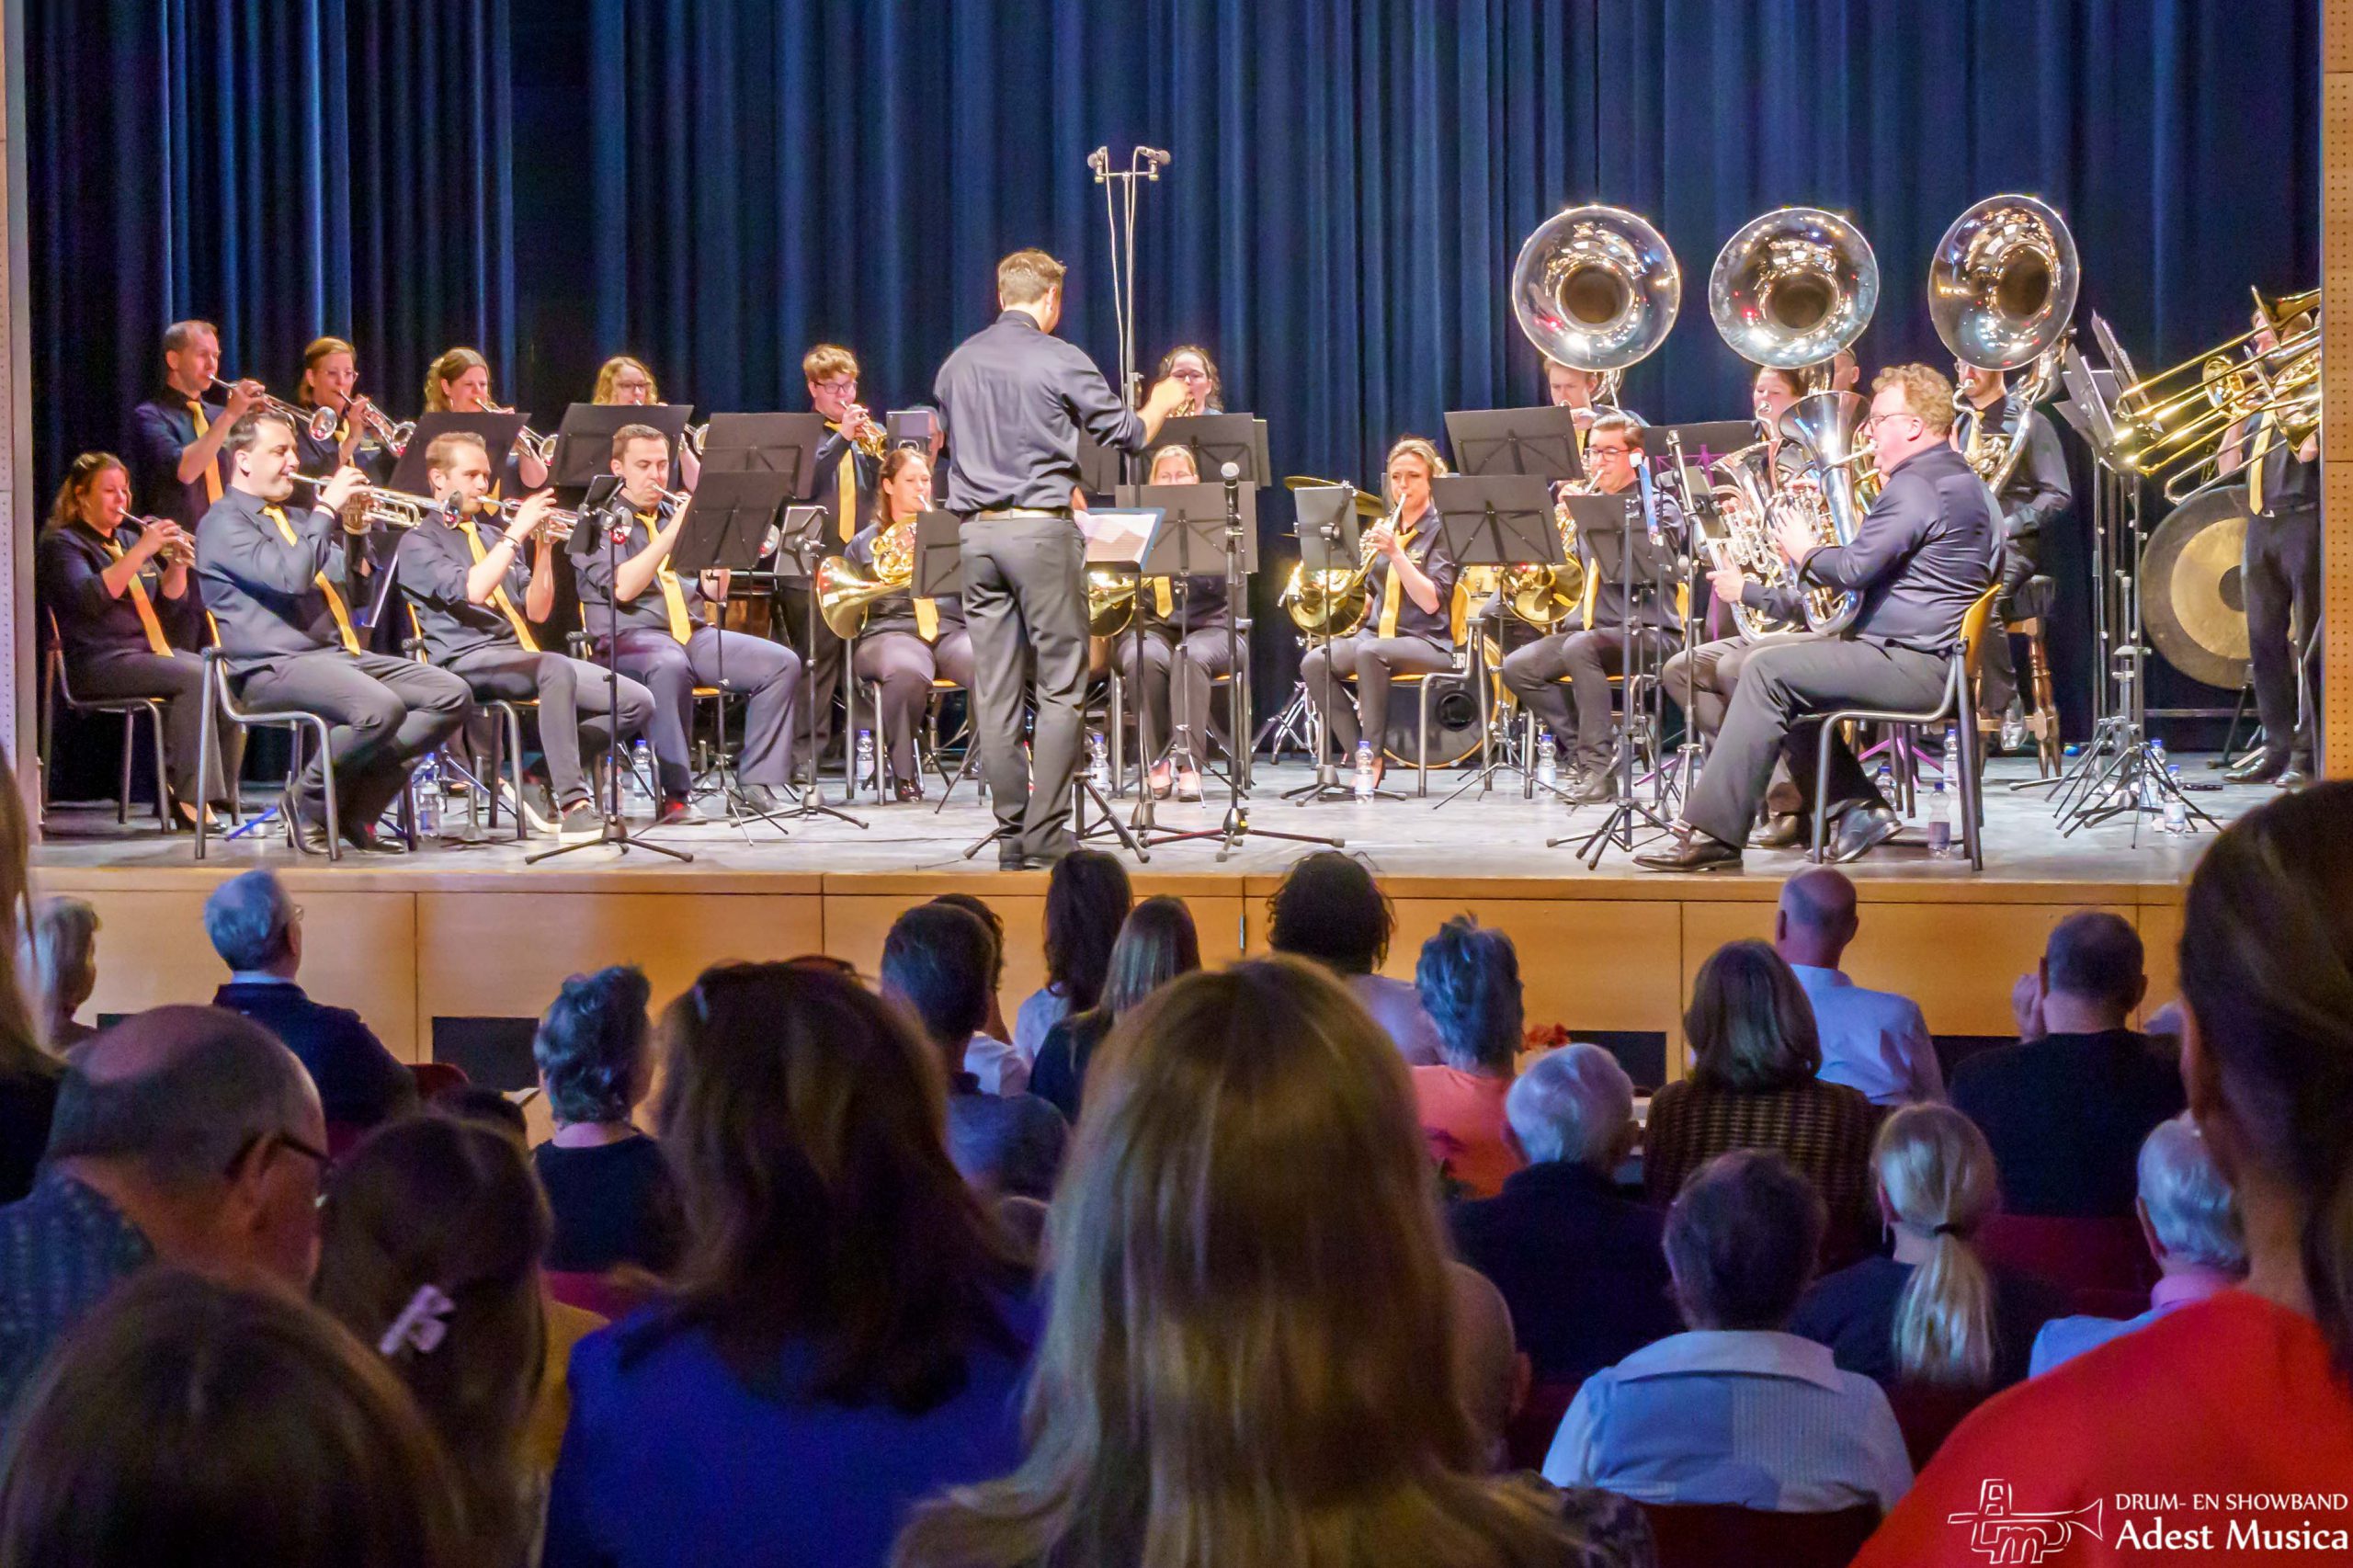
1618	826
615	831
1327	785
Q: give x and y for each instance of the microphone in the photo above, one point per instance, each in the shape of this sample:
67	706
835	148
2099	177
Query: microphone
1230	472
601	492
1156	156
1100	161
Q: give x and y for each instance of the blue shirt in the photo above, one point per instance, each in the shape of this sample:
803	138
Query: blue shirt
63	1247
1755	1419
670	1458
161	429
1873	1041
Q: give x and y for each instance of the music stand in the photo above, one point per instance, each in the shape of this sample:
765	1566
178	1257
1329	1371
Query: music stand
918	427
1701	444
766	443
1541	441
1101	468
1619	544
583	442
1217	439
1324	521
495	431
939	574
1496	520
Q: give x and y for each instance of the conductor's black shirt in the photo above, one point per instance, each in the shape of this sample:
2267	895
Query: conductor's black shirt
1015	398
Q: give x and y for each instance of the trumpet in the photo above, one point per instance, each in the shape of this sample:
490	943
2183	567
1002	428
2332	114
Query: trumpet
556	525
317	423
393	434
180	551
540	449
864	433
372	506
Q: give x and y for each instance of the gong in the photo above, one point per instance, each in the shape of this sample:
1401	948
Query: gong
2191	597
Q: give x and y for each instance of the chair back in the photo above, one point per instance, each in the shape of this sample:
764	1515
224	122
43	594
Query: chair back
2089	1258
1927	1414
1707	1535
1537	1423
1973	629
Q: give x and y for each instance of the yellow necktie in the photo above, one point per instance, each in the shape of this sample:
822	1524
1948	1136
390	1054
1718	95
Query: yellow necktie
673	595
335	600
845	489
156	641
498	599
1392	600
2263	433
1163	603
212	469
928	619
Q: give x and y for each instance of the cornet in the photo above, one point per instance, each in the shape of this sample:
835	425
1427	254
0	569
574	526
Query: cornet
317	423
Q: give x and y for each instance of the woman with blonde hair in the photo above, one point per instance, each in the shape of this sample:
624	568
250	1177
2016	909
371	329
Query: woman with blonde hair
625	380
1410	626
459	382
1934	1314
1216	1388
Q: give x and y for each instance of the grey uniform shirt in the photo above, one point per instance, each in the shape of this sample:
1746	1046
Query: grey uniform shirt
631	532
1016	397
264	592
433	564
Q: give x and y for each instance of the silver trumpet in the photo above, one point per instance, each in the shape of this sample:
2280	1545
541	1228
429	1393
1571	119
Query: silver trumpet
542	447
317	423
373	506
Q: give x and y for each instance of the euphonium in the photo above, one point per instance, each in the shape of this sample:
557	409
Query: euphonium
1546	595
1740	535
845	594
1826	425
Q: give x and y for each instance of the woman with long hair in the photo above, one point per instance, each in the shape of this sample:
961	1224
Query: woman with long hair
2249	1393
907	642
459	382
1088	900
1217	1387
1157	943
331	379
430	1233
623	379
844	1332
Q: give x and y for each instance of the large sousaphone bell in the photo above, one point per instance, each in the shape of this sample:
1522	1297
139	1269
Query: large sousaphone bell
1596	289
2003	282
1792	287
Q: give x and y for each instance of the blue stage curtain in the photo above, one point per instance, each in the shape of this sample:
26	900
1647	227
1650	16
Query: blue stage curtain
715	185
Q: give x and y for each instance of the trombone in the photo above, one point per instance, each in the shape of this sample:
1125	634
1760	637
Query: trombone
540	449
317	423
2164	420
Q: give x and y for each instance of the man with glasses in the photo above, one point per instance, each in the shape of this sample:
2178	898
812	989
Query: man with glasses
183	1135
1922	556
848	466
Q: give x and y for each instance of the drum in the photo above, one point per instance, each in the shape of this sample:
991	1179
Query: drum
1454	721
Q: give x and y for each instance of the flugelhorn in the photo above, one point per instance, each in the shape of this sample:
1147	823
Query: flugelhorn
2002	289
317	423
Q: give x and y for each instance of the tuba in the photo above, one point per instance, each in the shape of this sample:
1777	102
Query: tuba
2002	288
845	594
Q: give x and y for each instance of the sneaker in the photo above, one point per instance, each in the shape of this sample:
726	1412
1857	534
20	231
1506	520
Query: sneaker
536	808
582	823
677	811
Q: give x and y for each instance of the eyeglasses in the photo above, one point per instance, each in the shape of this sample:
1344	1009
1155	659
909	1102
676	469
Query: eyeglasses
1598	450
1874	422
263	1142
846	386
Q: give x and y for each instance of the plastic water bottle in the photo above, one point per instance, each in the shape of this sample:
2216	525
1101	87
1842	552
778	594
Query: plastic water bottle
1940	822
1547	760
426	790
865	763
1098	760
1885	782
1363	785
2177	807
637	788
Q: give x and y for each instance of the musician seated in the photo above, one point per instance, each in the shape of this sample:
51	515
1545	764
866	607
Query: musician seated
906	642
276	577
1190	367
1187	638
128	617
1586	657
331	379
1920	559
624	382
459	382
1409	587
631	597
476	604
176	436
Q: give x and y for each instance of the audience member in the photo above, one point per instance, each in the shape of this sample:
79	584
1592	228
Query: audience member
1468	983
847	1334
185	1133
2250	1390
1087	897
991	1057
29	1075
2190	1218
2067	1106
1736	1411
480	1103
1934	1314
1580	1266
1217	1384
1873	1041
258	931
194	1422
430	1238
935	962
1328	908
1490	1369
1157	943
1753	1084
61	965
606	1182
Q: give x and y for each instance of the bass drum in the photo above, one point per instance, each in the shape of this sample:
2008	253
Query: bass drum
1454	721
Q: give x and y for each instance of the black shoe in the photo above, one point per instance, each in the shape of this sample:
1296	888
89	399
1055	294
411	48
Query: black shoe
1861	830
1783	830
309	837
364	837
1046	859
1594	790
2257	767
677	810
1692	851
764	798
581	823
2293	778
1011	859
905	790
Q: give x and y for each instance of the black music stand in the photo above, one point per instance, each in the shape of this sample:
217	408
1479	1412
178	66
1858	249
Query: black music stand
1325	522
1709	441
1217	439
497	432
794	550
1620	544
916	426
598	510
583	442
766	443
1101	470
1496	520
1540	441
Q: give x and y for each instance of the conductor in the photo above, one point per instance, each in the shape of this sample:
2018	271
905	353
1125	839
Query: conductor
1016	397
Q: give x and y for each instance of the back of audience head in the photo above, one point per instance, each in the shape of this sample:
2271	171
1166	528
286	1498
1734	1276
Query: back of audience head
1328	908
1750	1026
1741	1240
1087	898
481	1106
61	953
590	1047
2267	975
1816	918
1469	981
2092	974
995	922
1936	1183
936	960
1157	943
1213	1371
2187	1211
205	1130
1489	1366
1575	1106
194	1421
254	925
804	1124
430	1236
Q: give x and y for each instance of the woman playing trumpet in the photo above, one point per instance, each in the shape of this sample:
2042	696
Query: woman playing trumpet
624	382
128	616
907	642
459	382
1410	585
360	436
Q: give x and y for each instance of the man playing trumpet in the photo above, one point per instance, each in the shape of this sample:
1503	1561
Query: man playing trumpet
476	604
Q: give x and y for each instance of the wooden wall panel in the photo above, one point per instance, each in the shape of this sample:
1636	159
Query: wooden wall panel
1588	963
2336	372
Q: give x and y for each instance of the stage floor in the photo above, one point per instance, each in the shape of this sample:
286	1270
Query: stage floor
429	944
